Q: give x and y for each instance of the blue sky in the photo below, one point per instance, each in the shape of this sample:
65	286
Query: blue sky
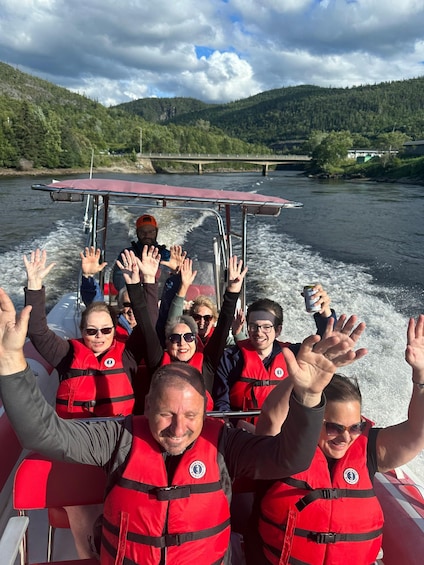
212	50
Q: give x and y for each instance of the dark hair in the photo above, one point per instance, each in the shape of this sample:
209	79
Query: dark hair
269	306
97	307
177	374
343	389
184	319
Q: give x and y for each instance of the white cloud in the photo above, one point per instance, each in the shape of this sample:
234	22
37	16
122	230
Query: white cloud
119	51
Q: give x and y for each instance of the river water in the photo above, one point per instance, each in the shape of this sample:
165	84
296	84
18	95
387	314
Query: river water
363	241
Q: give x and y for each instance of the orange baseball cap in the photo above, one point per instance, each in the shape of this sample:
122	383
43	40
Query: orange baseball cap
146	220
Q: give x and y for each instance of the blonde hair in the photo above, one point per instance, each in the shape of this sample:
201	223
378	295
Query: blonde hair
203	300
97	307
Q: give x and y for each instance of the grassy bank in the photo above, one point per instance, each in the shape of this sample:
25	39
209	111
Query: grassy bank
394	169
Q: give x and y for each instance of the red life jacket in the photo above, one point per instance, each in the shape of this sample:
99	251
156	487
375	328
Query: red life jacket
197	362
95	386
316	519
121	333
256	382
144	515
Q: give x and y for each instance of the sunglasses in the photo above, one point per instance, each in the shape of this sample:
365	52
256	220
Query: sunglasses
95	331
198	317
189	337
126	305
334	429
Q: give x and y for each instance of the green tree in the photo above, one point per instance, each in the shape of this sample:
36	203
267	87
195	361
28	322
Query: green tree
392	140
332	149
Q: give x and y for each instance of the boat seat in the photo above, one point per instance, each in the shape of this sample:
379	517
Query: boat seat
40	483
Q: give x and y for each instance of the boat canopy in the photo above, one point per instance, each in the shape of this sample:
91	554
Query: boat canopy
251	202
102	193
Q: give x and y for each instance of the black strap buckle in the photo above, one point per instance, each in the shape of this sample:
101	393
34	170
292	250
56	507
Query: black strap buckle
88	404
172	539
171	493
324	537
329	493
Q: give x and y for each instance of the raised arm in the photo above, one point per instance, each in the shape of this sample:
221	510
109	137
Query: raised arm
37	425
187	278
133	269
37	268
311	370
48	344
215	347
325	313
398	444
91	266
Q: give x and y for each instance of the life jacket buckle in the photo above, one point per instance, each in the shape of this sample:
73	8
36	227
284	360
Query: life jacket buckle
171	493
324	537
329	493
89	404
172	539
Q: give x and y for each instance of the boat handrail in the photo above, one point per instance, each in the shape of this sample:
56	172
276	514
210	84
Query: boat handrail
11	542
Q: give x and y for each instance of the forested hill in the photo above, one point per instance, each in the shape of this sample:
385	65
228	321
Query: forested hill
293	112
44	125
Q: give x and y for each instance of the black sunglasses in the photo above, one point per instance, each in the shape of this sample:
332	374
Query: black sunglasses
126	305
189	337
95	331
198	317
334	429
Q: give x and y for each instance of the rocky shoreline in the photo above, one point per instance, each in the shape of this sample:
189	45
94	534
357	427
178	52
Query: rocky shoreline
142	166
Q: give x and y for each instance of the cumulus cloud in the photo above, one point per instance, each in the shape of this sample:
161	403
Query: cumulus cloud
214	50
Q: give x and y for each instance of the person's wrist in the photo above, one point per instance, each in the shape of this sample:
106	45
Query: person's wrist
306	397
34	284
12	363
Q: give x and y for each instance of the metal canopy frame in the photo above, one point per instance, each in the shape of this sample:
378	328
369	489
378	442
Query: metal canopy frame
101	194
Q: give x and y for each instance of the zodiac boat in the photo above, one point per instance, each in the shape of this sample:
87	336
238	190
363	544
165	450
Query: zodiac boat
400	493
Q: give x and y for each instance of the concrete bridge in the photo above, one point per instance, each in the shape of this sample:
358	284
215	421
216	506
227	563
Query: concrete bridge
201	159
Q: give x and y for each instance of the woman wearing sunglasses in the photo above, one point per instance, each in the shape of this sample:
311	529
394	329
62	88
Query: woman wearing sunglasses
180	333
96	370
202	309
329	513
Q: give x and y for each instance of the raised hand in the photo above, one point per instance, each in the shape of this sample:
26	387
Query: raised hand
13	331
177	256
129	266
414	352
315	364
149	264
90	262
348	330
236	274
321	298
37	269
238	322
187	275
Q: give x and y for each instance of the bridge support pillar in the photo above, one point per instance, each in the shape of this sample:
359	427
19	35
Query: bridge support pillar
265	170
199	169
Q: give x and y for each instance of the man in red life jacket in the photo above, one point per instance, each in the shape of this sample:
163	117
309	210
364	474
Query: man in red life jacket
249	370
170	471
